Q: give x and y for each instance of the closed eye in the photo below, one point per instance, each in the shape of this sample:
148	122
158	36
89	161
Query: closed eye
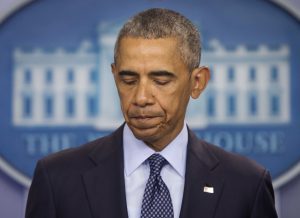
161	82
128	80
162	77
128	77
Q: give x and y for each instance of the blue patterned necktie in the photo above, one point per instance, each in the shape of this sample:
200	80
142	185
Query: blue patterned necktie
157	200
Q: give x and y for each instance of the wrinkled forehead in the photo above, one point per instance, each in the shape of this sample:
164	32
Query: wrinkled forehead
149	54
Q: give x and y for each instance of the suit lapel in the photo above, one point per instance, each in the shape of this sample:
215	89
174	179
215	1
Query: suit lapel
104	182
201	171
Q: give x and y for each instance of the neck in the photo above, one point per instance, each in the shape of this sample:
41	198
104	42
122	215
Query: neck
156	147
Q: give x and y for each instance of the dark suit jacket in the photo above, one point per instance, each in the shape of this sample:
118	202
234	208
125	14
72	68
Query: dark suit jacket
88	182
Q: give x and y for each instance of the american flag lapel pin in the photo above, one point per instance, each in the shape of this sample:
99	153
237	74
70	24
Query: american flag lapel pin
208	189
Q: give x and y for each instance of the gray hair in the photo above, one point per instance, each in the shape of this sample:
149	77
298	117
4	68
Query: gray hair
158	23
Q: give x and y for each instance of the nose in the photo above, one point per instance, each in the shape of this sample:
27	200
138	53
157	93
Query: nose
143	95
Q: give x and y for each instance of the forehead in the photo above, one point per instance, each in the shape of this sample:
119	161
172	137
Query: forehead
154	53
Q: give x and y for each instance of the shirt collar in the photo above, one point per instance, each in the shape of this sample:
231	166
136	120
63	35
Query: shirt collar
136	151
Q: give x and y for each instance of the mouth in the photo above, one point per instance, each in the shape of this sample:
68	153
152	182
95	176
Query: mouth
143	117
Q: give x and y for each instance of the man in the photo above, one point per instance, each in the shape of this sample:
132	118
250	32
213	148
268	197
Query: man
153	165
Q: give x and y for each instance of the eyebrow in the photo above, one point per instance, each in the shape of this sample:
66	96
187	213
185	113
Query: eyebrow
152	73
162	73
127	73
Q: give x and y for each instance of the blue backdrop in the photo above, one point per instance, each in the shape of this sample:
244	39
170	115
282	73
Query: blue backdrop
57	90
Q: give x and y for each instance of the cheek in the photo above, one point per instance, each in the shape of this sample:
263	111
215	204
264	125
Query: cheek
176	102
169	103
124	100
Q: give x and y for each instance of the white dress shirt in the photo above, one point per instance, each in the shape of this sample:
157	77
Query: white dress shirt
137	170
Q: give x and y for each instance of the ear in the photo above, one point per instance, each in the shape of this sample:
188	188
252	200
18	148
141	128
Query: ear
113	68
200	77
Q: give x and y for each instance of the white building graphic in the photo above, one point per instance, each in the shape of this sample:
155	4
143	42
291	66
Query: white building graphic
62	88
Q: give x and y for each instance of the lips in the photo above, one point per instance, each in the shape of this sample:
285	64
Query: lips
143	117
139	114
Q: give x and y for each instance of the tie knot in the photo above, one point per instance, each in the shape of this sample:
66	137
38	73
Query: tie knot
156	162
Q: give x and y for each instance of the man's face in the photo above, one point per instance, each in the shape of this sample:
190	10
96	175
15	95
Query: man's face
154	86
